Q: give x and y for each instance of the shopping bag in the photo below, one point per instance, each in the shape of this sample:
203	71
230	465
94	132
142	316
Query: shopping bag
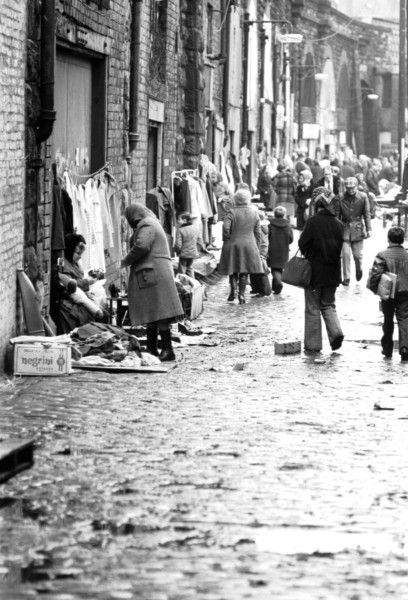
297	271
387	285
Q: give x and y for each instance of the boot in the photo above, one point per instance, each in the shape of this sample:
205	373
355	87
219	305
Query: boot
359	272
233	288
167	353
241	288
151	334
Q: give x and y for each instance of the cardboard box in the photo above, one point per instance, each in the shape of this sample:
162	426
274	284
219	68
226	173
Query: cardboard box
288	347
42	359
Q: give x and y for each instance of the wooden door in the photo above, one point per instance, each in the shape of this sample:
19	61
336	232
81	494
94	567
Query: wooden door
72	139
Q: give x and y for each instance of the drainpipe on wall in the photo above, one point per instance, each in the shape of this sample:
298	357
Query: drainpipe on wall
225	51
134	72
244	136
47	114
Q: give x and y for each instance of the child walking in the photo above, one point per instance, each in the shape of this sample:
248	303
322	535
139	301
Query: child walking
188	241
393	260
280	238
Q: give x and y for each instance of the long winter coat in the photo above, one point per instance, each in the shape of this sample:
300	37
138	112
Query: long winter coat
280	238
152	293
356	210
321	242
242	237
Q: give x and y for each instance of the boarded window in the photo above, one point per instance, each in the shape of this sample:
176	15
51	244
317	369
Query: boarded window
158	29
387	90
210	29
309	83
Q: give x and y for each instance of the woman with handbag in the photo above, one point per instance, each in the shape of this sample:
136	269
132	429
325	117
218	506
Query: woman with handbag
321	243
241	240
152	293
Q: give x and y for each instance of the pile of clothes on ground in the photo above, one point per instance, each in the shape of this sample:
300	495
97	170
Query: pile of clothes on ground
99	344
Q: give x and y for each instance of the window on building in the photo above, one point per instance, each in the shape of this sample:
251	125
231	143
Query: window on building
158	29
387	90
309	84
210	28
343	89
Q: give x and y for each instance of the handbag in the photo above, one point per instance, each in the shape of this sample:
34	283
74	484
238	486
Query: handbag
357	231
297	271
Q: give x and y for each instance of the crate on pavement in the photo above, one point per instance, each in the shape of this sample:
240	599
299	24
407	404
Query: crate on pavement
284	348
42	359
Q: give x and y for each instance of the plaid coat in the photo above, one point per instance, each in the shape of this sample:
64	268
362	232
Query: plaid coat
285	185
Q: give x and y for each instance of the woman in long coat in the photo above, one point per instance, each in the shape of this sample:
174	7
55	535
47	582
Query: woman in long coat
152	293
240	251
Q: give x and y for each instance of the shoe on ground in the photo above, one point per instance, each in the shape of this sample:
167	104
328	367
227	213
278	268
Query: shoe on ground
167	356
345	282
241	299
404	354
231	297
359	274
337	342
312	351
386	354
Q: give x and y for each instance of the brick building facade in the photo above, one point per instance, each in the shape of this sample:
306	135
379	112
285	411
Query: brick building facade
12	158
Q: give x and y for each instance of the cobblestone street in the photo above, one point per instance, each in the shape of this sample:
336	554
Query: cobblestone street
239	474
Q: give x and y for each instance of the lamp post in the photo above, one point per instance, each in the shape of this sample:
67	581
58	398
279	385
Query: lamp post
402	96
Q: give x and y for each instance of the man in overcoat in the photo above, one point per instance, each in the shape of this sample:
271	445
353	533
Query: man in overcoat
353	210
321	243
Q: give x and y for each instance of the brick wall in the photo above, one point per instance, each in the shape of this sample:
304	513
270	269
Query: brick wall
12	159
107	32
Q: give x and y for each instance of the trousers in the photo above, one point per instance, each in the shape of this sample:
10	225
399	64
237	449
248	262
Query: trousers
399	308
351	248
319	303
186	266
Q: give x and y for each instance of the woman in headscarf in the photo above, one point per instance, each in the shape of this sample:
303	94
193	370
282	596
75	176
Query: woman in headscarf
72	308
152	293
240	251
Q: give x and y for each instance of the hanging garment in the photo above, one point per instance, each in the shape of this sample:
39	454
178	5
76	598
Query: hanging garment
57	233
195	198
94	217
103	190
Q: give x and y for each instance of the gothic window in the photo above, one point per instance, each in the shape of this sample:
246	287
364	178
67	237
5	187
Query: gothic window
309	83
343	93
158	29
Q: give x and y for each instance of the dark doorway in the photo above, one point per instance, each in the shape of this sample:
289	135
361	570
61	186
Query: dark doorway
152	155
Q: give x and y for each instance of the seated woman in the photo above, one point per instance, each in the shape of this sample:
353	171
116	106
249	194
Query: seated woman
75	308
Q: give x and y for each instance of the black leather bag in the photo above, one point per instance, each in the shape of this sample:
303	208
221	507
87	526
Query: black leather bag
297	271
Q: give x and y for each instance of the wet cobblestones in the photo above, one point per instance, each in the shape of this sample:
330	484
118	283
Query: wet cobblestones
274	479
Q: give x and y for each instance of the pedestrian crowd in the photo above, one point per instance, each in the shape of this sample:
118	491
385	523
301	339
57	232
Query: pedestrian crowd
331	202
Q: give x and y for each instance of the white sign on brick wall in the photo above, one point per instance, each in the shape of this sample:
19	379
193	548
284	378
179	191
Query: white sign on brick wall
156	111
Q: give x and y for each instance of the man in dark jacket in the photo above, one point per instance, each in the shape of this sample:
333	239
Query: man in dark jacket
393	260
353	210
321	243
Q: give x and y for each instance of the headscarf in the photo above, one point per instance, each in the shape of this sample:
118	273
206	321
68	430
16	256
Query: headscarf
242	197
321	196
307	175
136	212
72	240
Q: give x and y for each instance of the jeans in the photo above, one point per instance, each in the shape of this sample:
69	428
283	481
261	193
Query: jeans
351	248
277	281
320	302
186	266
399	307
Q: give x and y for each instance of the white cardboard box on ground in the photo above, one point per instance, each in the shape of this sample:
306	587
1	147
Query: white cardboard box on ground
42	359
